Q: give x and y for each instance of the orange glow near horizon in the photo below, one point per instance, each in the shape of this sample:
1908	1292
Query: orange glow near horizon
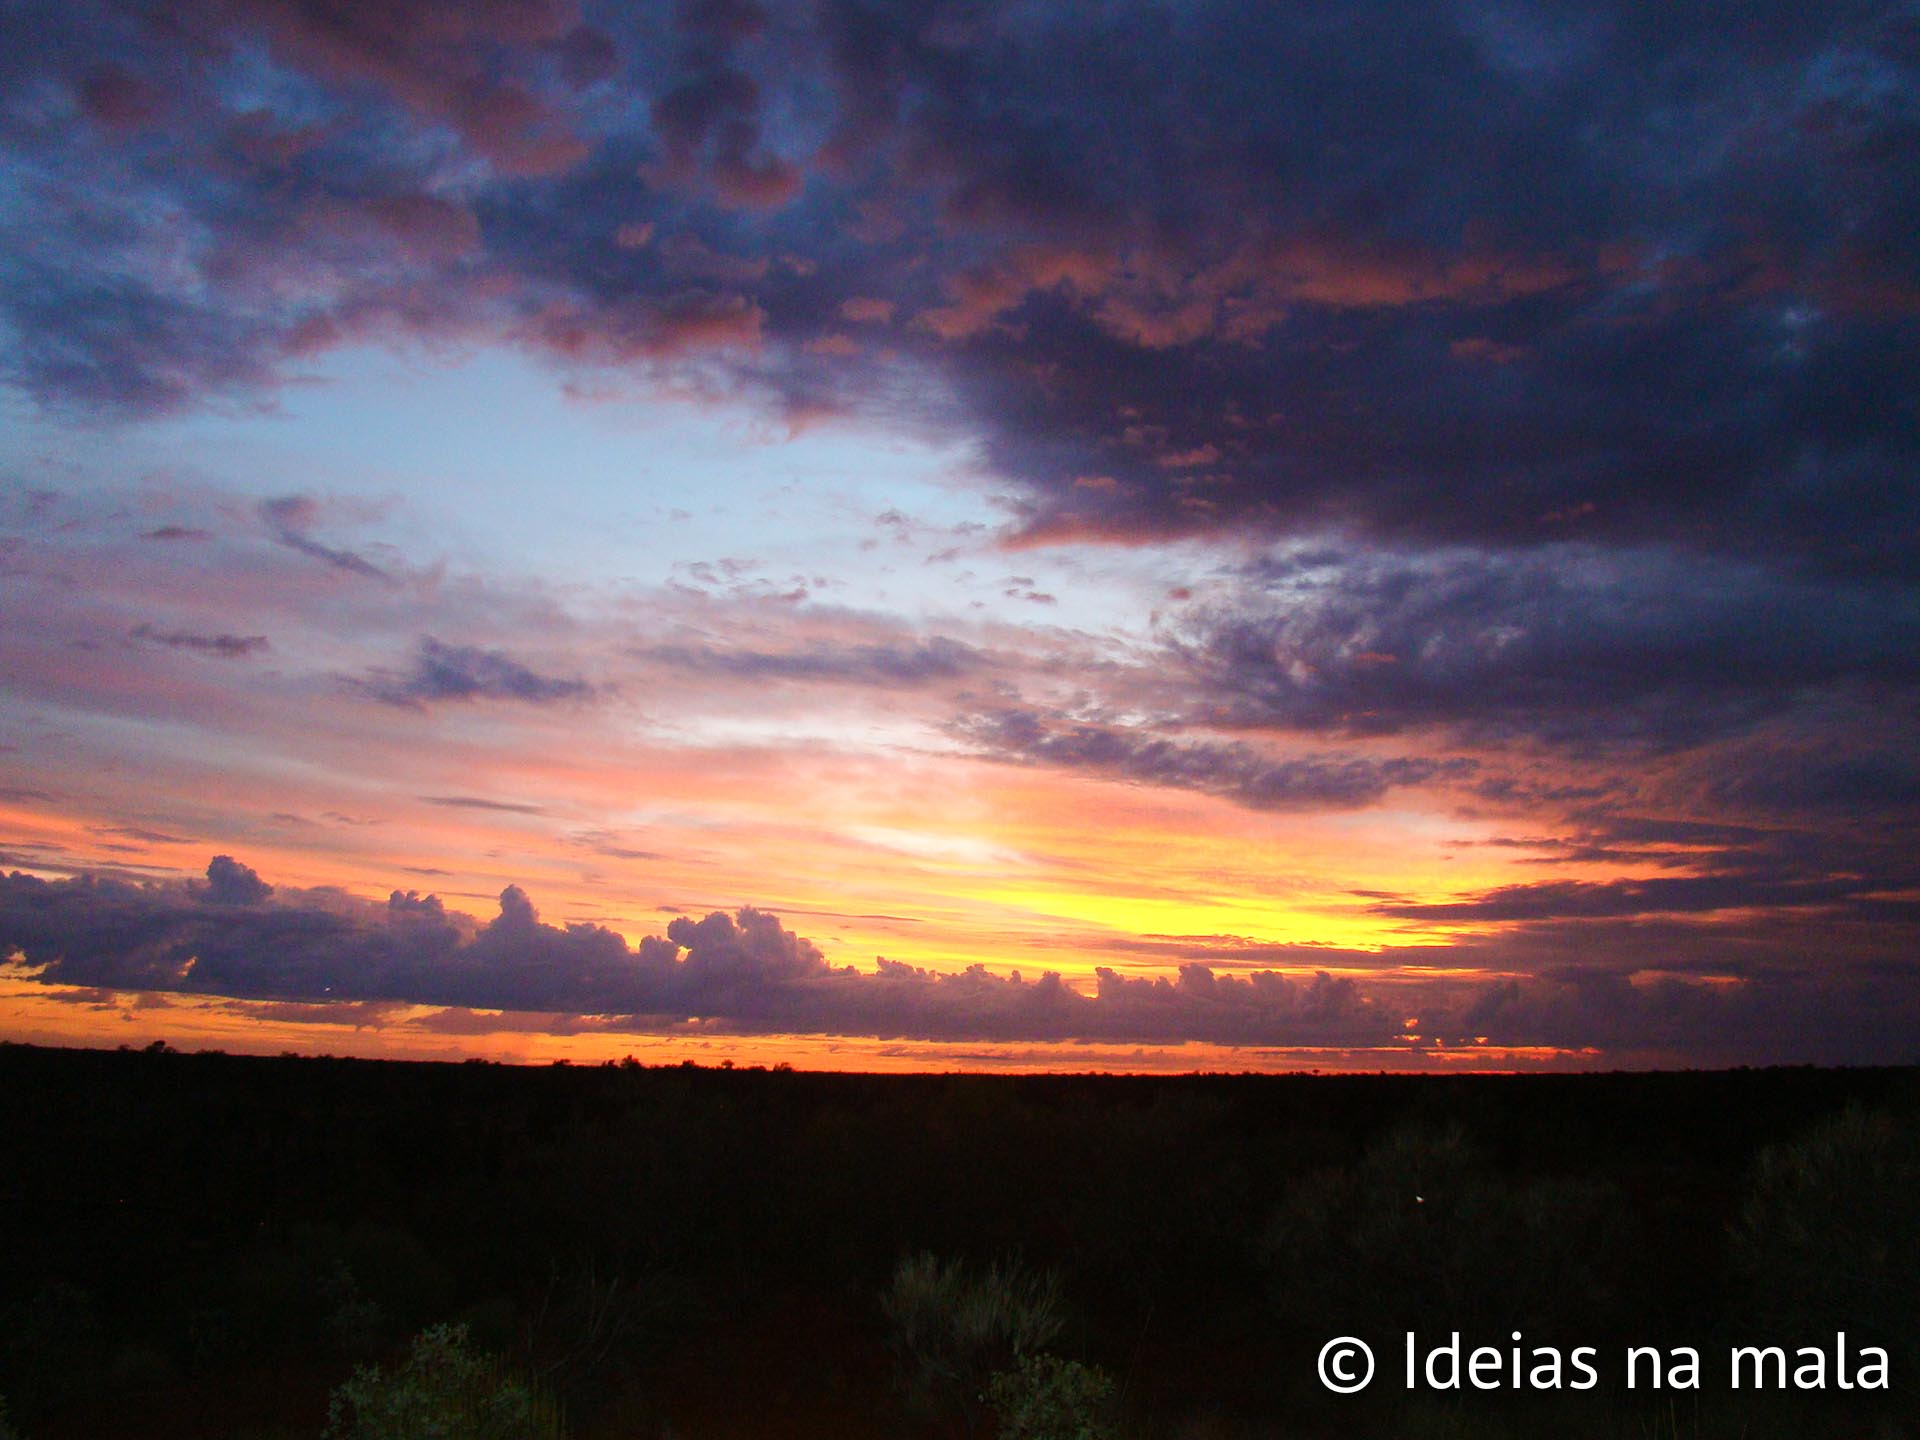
1024	870
865	815
94	1019
1033	870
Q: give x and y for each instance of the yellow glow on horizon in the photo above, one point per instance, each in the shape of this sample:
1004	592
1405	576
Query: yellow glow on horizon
1242	917
932	860
60	1015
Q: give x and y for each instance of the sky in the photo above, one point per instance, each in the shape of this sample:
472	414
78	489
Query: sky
1124	536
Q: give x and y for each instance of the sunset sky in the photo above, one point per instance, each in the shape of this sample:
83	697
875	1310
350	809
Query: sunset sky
1123	536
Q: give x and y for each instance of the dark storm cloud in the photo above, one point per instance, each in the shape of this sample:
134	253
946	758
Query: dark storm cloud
473	68
442	672
1500	290
1799	870
1860	1018
1643	838
745	972
1581	899
1876	778
85	342
710	126
1569	642
1436	274
1491	276
1237	771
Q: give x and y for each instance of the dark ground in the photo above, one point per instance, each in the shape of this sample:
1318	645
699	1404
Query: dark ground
205	1245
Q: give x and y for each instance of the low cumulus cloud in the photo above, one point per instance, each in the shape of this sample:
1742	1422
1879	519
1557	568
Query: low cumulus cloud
1866	1017
234	936
231	883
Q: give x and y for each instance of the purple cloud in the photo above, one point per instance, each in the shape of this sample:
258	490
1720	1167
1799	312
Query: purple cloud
746	972
225	647
442	672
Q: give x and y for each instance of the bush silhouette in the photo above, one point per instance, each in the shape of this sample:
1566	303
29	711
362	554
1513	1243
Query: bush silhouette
1828	1236
49	1342
951	1328
1044	1397
444	1391
1423	1228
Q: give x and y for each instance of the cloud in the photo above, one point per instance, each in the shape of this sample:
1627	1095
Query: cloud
464	70
610	844
231	883
867	310
1660	895
888	664
442	672
91	342
225	647
1864	775
687	321
744	969
745	972
1231	769
710	127
1443	277
115	98
139	832
475	802
1566	643
290	516
1554	368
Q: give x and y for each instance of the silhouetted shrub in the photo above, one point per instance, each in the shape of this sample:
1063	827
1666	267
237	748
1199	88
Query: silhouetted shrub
354	1323
1828	1236
1044	1397
444	1391
1425	1233
951	1328
49	1344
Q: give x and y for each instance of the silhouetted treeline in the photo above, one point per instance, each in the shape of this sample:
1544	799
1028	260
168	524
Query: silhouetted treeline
207	1245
